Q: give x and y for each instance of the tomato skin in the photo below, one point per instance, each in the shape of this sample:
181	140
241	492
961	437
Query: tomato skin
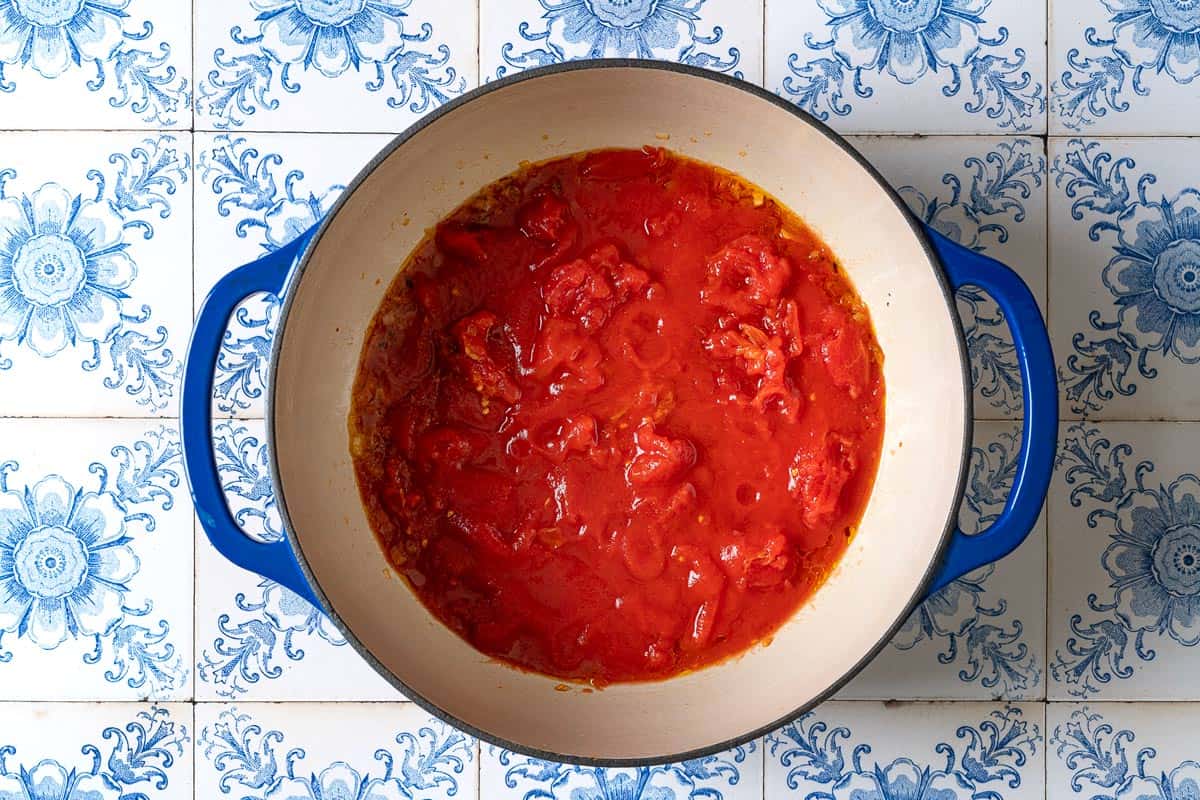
618	416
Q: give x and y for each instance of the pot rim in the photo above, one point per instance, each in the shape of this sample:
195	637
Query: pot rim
296	275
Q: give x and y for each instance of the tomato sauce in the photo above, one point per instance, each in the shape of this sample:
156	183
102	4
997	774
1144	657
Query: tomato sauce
617	417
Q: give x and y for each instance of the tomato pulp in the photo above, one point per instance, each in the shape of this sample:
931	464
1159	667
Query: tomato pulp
617	417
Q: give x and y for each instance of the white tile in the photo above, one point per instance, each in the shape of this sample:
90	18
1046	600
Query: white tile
1124	508
983	636
96	64
330	750
1122	749
853	751
278	65
735	774
1124	283
988	193
96	750
721	35
892	66
256	640
1124	67
96	525
97	308
254	194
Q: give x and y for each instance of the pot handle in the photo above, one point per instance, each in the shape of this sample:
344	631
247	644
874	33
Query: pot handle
274	560
1039	391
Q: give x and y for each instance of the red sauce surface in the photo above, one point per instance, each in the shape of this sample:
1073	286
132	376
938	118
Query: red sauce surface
618	417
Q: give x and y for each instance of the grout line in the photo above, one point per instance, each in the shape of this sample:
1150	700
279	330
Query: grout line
1046	506
479	769
764	44
195	71
763	748
1049	68
195	547
192	294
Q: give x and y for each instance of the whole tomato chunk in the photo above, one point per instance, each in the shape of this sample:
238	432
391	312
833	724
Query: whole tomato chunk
745	276
475	358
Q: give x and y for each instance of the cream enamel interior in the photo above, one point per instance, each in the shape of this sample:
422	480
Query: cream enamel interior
541	118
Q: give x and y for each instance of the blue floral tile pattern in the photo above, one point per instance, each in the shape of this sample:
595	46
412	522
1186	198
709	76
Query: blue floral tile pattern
254	638
125	61
1129	223
850	751
988	194
731	775
721	35
109	593
271	752
84	566
1122	66
389	60
858	64
256	193
1128	497
85	300
1108	751
95	752
982	636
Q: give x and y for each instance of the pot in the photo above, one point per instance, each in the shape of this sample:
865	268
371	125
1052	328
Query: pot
333	277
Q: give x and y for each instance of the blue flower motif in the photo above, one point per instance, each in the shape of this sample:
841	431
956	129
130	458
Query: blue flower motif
1182	783
51	35
617	28
1155	275
1147	35
64	562
1159	35
664	29
63	269
49	780
623	787
907	37
338	781
900	780
331	35
1154	560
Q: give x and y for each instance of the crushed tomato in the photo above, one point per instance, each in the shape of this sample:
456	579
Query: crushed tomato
618	417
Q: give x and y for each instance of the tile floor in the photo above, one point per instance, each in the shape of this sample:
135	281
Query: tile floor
168	141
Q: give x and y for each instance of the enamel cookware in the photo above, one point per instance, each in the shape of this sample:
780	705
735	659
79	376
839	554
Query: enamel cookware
333	277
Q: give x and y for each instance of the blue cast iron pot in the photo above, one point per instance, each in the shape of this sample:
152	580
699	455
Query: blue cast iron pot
332	278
